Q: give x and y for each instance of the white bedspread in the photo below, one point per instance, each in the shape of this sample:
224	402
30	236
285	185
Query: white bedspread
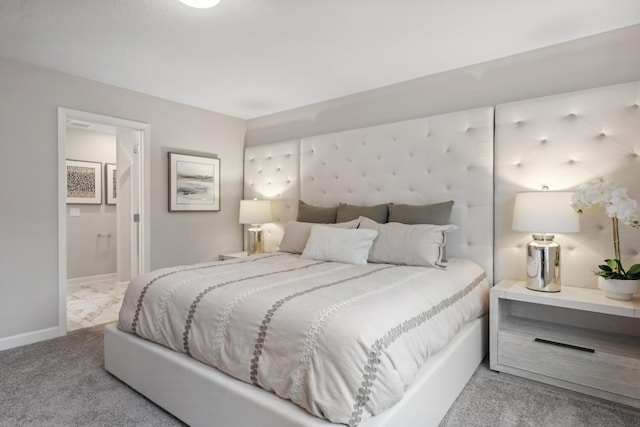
342	341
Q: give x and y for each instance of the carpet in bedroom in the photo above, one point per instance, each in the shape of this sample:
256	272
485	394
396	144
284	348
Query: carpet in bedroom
62	382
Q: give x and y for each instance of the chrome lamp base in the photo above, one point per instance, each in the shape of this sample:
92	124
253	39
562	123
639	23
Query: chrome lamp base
255	243
543	264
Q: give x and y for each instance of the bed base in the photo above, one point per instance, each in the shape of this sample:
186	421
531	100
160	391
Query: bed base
200	395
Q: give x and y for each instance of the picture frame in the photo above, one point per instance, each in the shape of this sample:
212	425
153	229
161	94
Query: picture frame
110	184
194	183
84	182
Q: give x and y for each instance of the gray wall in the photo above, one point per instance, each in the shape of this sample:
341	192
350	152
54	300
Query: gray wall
604	59
28	183
91	237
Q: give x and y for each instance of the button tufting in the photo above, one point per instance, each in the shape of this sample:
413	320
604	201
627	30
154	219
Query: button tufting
634	155
570	116
601	135
519	123
518	165
543	141
572	162
635	106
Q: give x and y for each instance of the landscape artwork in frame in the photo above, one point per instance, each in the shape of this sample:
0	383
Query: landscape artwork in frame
111	183
194	183
84	182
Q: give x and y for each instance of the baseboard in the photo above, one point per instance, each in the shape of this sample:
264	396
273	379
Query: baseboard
28	338
91	279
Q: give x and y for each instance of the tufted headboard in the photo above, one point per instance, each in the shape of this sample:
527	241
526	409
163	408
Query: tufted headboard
428	160
562	141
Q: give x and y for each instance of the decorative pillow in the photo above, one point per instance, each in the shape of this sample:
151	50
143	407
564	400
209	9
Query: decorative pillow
378	213
297	233
418	244
317	214
437	213
339	245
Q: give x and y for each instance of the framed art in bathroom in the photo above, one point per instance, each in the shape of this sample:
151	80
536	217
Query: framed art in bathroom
84	182
110	184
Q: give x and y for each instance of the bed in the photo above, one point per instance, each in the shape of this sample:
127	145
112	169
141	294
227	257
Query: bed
455	152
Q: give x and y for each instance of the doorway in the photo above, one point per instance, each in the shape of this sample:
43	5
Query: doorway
131	172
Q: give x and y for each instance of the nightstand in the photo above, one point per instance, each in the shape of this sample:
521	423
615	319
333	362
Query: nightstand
576	338
232	255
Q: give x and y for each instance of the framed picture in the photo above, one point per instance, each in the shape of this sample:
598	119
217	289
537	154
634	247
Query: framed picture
194	183
110	184
84	182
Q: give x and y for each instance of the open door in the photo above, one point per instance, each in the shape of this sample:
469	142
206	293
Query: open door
132	217
129	208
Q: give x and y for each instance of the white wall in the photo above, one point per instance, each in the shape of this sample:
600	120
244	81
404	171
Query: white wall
28	184
91	237
600	60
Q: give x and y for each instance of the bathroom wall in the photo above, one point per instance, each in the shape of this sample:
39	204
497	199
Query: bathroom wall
91	236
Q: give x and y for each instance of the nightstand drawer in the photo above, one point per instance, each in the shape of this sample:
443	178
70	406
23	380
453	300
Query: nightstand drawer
564	360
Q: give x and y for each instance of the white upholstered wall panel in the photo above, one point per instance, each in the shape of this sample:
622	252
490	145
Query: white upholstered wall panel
271	172
434	159
562	141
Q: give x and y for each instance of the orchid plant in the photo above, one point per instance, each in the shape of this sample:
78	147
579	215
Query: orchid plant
620	207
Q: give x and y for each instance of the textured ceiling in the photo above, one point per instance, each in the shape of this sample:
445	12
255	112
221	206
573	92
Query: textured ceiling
250	58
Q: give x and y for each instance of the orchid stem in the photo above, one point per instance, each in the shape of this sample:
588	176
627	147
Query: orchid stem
616	243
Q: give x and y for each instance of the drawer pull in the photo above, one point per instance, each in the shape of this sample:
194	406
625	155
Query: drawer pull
561	344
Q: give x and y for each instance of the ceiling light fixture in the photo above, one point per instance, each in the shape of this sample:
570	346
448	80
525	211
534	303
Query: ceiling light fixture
201	4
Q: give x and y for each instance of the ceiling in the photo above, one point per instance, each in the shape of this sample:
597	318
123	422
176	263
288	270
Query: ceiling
250	58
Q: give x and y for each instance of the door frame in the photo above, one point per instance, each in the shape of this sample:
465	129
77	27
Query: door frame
144	174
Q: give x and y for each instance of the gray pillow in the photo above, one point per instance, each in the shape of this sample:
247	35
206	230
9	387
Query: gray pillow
437	213
378	213
316	214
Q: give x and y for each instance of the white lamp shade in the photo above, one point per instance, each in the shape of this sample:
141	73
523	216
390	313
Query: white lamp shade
545	212
200	4
255	211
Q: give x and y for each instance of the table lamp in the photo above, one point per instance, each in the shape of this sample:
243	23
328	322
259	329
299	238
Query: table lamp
255	212
544	212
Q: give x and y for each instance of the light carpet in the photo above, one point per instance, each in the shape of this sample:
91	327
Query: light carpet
62	382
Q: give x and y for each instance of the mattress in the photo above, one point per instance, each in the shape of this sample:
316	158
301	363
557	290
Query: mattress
342	341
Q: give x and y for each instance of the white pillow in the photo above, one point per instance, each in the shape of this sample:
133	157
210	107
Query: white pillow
297	233
350	246
419	244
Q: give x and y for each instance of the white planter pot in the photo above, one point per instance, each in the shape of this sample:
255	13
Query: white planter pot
619	289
